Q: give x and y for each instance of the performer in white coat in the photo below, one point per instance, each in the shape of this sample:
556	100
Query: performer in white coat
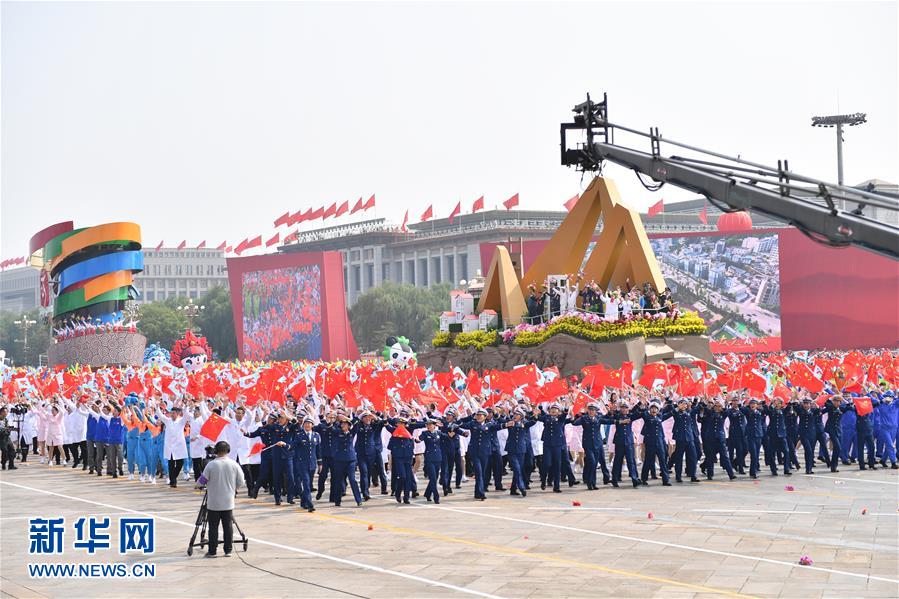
175	447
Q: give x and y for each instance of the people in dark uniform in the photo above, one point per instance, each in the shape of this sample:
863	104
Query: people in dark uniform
655	447
714	443
516	447
808	430
554	444
367	431
684	441
864	436
402	452
736	436
755	434
624	446
452	453
591	425
433	440
344	462
480	448
307	457
326	430
275	436
777	435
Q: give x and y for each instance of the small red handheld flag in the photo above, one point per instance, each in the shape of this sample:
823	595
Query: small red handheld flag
256	448
213	427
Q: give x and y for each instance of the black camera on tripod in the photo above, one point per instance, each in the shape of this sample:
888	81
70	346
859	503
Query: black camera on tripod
20	409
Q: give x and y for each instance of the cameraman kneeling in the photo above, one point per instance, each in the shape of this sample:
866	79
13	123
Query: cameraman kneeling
223	477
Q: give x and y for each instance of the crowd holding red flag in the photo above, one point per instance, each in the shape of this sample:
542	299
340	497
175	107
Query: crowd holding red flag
797	391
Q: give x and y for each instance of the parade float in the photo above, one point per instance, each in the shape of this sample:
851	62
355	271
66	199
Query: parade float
494	332
86	285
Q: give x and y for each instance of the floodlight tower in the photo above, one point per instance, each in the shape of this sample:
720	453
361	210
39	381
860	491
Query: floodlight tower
838	120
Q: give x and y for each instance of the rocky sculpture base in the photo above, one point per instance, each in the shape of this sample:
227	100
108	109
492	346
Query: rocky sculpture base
105	349
570	354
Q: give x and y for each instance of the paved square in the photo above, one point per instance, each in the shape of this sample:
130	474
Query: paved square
741	538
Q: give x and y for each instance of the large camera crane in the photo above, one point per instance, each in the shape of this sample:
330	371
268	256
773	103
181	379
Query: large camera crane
819	209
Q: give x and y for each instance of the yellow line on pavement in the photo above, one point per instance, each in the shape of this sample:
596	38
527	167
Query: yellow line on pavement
529	554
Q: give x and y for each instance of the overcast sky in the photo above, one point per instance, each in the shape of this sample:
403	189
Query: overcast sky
208	120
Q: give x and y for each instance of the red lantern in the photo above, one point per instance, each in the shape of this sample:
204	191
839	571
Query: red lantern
733	222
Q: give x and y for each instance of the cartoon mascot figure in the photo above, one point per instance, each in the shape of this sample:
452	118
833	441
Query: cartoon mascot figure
191	353
156	355
399	351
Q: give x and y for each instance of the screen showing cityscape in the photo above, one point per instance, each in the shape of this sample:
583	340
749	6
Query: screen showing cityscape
733	281
282	318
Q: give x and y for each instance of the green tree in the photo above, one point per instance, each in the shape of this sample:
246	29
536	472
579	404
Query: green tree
217	323
393	309
11	337
162	322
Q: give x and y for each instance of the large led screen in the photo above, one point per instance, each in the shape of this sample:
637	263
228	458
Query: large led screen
733	281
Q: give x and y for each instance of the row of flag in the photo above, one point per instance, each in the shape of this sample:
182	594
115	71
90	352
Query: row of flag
12	262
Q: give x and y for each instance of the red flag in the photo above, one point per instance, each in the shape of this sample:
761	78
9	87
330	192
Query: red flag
254	243
342	209
201	245
863	405
511	202
800	375
357	206
657	208
291	237
473	383
134	386
329	211
317	213
257	448
704	215
405	220
370	203
781	391
213	427
228	250
159	247
428	213
402	432
571	203
580	403
297	217
478	205
223	245
283	219
240	247
182	245
274	240
456	211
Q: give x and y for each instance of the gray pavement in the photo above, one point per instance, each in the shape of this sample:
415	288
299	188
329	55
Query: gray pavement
716	538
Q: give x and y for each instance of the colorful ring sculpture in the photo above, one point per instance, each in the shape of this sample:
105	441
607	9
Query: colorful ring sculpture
91	269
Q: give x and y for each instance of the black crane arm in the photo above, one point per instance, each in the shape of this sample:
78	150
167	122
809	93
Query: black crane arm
739	184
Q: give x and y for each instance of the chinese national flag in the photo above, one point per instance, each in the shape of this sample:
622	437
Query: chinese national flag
342	209
456	211
781	391
473	383
240	247
182	245
370	203
863	405
580	403
256	448
254	243
283	219
801	375
273	241
299	390
554	388
754	383
402	432
510	203
704	215
657	208
524	375
478	205
213	427
317	213
357	206
428	213
134	386
329	211
571	203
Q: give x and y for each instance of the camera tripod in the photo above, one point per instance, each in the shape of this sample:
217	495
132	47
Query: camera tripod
203	522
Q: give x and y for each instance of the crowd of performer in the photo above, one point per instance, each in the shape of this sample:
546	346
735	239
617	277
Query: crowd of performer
562	294
296	448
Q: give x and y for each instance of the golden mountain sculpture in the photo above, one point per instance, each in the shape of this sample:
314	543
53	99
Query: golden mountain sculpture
622	252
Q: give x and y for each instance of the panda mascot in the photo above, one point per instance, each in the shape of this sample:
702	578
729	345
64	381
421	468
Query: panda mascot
399	351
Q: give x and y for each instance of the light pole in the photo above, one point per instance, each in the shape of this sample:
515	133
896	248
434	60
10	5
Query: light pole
191	311
26	323
838	120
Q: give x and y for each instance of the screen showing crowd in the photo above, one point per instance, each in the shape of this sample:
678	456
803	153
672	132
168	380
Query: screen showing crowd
733	281
282	317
